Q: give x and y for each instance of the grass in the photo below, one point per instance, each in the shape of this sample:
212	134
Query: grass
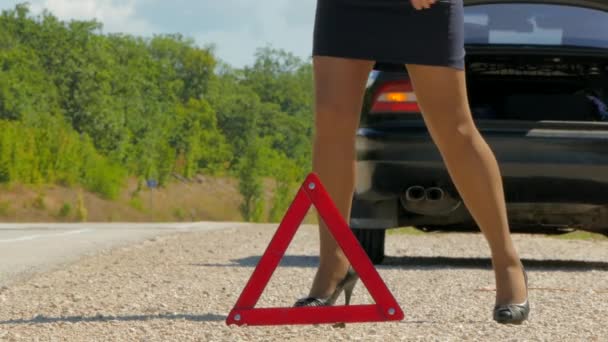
137	203
405	231
213	199
65	210
5	208
209	198
576	235
81	209
580	235
179	214
39	202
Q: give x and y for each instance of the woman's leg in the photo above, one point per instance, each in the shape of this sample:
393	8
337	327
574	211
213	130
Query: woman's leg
443	99
339	89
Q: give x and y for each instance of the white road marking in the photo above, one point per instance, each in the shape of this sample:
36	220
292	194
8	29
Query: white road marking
33	237
204	225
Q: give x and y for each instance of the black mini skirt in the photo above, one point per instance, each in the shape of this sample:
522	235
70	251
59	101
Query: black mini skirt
391	31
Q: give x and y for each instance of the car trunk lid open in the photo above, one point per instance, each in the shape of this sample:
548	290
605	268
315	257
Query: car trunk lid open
538	88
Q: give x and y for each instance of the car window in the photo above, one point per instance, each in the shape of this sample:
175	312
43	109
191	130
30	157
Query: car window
536	24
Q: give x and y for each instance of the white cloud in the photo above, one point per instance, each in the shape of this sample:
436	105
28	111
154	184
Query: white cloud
116	15
285	24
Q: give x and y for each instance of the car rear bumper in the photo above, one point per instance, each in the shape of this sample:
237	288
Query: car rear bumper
550	176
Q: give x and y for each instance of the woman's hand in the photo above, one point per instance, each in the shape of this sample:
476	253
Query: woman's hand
420	4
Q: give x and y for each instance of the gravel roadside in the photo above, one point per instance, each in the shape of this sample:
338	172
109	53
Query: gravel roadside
180	287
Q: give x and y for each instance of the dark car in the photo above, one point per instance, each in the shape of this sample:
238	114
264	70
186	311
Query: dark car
537	76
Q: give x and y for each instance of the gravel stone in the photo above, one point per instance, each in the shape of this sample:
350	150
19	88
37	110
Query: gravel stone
181	287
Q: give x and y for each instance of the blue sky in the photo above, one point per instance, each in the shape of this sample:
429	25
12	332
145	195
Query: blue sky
236	27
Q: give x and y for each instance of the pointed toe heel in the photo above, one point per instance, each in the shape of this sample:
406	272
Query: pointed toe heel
513	313
347	284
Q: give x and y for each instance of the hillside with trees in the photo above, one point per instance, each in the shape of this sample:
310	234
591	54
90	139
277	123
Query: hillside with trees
82	108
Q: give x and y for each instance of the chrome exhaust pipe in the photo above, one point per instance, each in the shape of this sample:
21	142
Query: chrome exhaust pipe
432	201
414	193
434	194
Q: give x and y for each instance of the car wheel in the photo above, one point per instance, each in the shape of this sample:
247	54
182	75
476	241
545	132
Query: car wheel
372	241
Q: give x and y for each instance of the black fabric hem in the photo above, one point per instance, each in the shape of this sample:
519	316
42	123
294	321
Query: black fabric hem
423	60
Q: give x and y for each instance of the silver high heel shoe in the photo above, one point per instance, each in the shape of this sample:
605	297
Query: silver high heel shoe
347	284
513	313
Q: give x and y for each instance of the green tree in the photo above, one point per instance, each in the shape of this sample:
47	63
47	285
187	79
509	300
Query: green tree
286	184
25	88
197	140
250	184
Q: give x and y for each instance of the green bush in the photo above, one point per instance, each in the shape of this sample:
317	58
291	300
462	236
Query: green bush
65	210
250	184
55	154
286	186
137	203
179	214
81	209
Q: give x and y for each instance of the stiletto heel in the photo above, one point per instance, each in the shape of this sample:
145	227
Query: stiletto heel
513	313
348	292
347	284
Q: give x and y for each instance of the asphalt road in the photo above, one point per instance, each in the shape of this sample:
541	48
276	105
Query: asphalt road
26	249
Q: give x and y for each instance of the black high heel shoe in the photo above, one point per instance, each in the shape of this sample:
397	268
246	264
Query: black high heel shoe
347	284
513	313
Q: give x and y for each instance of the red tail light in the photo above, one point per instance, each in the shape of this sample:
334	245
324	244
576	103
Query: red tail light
395	97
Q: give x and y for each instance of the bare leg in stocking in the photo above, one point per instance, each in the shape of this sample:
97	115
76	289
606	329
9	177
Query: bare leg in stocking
339	88
443	98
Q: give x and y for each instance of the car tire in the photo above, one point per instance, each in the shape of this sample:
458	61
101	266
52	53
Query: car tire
372	241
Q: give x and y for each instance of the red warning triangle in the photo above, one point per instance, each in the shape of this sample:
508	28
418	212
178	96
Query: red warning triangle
312	192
